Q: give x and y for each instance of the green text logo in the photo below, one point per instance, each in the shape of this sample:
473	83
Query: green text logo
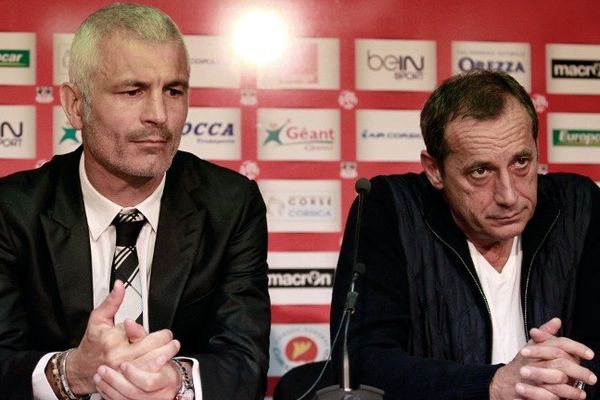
14	58
576	137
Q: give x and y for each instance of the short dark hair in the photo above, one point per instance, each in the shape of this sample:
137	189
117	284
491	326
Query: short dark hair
478	94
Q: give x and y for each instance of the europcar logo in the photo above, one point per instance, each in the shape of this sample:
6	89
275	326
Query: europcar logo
289	134
14	58
576	69
301	348
576	137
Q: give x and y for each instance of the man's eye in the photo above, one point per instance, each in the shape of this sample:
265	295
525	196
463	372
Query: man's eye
175	92
522	161
479	172
132	92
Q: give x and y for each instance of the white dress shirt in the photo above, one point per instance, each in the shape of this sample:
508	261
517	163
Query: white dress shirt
100	212
503	293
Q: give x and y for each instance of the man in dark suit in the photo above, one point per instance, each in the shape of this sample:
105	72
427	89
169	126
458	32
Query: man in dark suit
70	324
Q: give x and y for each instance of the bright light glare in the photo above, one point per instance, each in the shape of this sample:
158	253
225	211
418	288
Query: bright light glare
260	37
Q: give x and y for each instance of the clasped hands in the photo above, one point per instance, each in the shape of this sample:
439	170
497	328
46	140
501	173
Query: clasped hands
123	361
546	368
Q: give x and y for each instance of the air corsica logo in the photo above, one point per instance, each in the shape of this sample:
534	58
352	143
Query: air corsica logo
403	66
301	278
367	134
576	137
576	69
14	58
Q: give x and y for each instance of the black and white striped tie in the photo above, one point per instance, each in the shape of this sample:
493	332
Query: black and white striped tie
125	266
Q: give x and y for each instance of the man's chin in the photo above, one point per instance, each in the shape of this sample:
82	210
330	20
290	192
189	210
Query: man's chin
508	231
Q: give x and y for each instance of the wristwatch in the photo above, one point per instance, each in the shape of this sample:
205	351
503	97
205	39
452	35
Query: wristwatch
186	392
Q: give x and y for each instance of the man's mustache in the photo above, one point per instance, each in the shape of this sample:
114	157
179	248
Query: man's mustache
163	133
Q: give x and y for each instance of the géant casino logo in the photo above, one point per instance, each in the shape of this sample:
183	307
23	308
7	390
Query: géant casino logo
289	134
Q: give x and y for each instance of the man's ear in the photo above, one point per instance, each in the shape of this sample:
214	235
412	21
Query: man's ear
72	103
432	170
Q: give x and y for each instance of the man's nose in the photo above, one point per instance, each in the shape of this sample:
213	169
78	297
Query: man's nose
505	192
155	111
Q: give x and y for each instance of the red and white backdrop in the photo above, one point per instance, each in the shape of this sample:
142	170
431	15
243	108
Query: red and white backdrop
342	102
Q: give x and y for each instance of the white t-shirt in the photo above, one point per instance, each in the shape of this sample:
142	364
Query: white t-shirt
503	293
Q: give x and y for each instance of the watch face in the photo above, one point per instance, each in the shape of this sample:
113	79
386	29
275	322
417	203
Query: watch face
187	395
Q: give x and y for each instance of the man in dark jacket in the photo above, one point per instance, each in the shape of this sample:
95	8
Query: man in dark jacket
118	256
482	278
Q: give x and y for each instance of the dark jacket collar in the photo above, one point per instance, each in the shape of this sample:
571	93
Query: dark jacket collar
436	213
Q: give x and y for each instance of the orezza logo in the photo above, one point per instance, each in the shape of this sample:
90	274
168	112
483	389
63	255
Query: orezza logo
576	137
576	69
403	66
367	134
217	132
301	278
510	67
11	135
14	58
286	134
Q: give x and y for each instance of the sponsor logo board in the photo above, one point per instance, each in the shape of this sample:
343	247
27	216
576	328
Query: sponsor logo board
512	58
301	205
383	64
299	278
574	138
296	344
307	63
388	135
62	52
17	132
213	133
213	63
298	134
573	68
17	58
66	138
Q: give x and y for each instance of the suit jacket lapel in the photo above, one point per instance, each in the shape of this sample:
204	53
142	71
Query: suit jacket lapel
178	240
67	237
